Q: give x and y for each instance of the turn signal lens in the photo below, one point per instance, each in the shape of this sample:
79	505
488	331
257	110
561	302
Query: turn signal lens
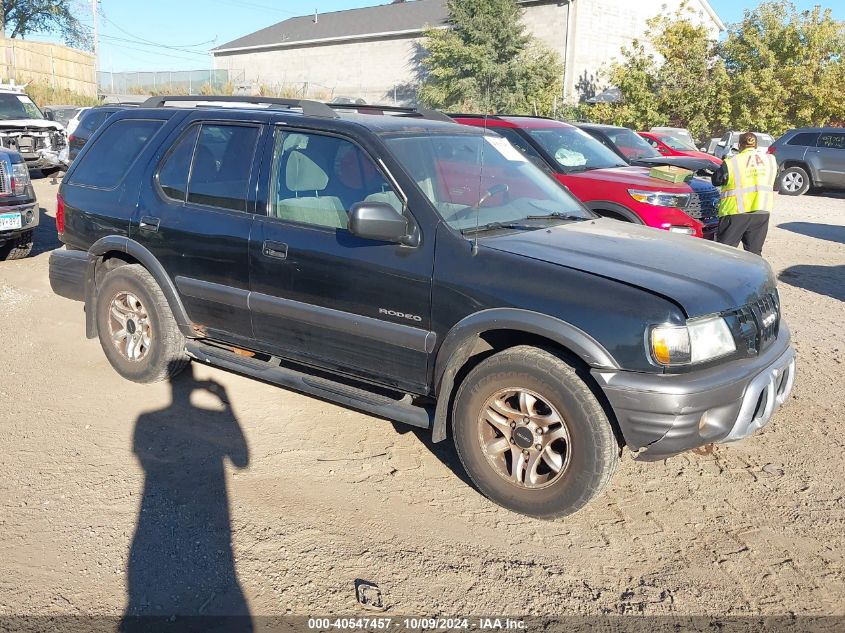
20	179
671	345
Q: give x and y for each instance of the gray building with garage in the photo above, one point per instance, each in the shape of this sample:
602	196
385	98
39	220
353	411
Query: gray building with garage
373	52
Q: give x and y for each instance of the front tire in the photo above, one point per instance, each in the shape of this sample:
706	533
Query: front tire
18	248
531	435
794	181
137	331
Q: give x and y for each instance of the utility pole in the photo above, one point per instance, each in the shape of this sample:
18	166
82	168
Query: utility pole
95	14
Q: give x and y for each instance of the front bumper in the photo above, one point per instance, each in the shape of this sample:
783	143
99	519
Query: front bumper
661	415
30	217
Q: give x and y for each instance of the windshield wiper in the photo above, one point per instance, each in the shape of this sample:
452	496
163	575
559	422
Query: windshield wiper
557	215
495	226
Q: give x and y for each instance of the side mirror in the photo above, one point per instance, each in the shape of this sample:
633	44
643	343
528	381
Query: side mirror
378	221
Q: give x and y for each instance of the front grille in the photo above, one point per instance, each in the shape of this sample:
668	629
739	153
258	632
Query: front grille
4	178
704	206
756	324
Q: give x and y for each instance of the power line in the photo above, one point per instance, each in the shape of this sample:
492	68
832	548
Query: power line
252	5
141	40
163	54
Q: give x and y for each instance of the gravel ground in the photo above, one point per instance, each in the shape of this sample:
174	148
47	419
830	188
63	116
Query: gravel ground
224	494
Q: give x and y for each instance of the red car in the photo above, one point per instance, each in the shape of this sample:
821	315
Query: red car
603	181
669	145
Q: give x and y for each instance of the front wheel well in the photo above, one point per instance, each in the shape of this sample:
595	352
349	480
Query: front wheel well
494	341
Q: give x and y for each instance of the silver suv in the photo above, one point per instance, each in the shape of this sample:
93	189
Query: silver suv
810	157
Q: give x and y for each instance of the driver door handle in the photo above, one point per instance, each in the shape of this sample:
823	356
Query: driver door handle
276	250
149	223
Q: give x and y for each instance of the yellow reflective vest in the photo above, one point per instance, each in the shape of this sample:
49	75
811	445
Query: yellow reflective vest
751	183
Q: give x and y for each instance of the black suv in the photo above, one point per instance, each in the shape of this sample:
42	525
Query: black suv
424	272
19	210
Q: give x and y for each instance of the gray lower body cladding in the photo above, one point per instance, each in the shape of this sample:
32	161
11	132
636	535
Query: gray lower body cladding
661	415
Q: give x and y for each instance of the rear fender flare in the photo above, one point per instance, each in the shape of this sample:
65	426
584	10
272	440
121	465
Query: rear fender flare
459	343
120	244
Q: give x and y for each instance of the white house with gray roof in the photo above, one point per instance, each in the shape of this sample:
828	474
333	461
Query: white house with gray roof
373	52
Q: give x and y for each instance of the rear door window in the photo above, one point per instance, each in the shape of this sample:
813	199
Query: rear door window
832	141
222	165
113	153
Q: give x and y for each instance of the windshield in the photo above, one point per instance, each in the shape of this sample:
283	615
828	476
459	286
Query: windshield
632	145
575	150
485	180
18	106
676	143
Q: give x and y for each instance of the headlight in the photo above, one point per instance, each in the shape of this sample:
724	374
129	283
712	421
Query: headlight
660	198
697	342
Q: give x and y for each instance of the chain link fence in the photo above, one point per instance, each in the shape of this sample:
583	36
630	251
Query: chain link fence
187	82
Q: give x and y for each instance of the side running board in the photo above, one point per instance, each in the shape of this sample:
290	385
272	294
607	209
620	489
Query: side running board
401	410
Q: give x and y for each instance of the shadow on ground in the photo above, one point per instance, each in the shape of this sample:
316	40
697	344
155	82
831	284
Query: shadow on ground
823	280
46	235
181	563
829	232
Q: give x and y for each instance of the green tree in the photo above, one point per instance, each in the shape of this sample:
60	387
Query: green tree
19	18
786	67
673	77
484	61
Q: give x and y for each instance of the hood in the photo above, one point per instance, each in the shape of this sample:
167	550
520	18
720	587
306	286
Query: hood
700	276
694	164
631	177
44	124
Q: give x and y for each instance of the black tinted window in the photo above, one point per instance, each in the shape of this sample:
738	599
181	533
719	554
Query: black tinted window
805	139
94	119
114	151
832	141
173	175
222	165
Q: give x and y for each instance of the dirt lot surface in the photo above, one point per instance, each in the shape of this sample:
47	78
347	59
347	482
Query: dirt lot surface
103	484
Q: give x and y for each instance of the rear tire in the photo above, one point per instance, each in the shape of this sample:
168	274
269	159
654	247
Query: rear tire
794	181
531	435
137	331
18	248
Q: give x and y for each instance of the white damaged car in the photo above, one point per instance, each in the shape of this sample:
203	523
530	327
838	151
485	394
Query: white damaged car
25	129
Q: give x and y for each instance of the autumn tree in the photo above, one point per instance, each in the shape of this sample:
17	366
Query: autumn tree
673	77
19	18
787	67
484	61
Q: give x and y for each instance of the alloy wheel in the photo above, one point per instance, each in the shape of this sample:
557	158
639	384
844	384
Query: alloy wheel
793	182
524	438
129	326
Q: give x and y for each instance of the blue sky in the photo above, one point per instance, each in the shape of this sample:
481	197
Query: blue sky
136	34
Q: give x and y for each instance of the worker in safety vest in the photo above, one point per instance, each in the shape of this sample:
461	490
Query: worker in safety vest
747	181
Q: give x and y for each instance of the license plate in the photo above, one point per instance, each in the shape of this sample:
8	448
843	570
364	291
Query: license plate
10	221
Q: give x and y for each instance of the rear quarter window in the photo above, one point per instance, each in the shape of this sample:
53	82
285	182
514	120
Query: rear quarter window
113	152
804	139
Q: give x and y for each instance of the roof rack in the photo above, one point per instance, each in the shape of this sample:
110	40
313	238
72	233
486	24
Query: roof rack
308	107
420	113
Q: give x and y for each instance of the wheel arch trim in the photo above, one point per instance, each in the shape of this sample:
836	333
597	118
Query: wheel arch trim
457	348
127	246
614	207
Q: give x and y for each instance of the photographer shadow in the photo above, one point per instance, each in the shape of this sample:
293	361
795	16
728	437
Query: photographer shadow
181	571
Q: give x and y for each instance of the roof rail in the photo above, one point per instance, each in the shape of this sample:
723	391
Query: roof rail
308	107
421	113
